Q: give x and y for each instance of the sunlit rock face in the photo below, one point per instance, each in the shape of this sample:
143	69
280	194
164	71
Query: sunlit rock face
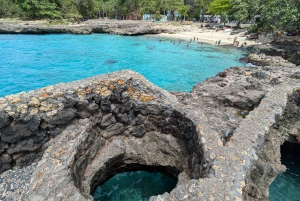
92	129
84	132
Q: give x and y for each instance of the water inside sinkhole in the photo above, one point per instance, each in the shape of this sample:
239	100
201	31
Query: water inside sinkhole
134	186
30	62
286	186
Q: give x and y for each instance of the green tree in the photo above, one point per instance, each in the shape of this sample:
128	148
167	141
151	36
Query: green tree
198	6
67	8
239	11
9	9
87	8
183	11
173	5
281	14
219	6
38	9
224	17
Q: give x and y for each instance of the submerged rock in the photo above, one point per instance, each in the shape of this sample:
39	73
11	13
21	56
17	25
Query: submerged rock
111	61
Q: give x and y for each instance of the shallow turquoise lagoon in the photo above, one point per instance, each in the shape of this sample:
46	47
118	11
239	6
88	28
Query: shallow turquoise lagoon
134	186
33	61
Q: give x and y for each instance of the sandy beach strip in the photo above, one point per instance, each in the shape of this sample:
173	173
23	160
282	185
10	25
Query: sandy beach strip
209	36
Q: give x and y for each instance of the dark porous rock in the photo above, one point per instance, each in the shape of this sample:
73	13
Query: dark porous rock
3	146
125	96
139	131
97	99
275	81
116	95
222	74
105	105
167	113
70	101
296	75
149	125
113	129
126	107
107	120
285	49
222	84
123	118
93	107
140	119
260	75
27	145
4	119
62	117
154	109
54	130
264	60
5	158
5	161
27	158
131	117
167	129
13	134
252	84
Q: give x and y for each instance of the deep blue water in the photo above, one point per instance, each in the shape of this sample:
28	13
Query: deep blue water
134	186
33	61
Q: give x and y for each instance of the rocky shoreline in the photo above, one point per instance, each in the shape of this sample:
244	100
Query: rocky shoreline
230	127
126	27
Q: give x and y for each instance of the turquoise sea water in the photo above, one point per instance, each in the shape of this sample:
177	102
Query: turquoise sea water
286	186
33	61
134	186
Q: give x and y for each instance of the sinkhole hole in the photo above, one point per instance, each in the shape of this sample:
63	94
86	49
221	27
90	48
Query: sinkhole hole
286	186
134	186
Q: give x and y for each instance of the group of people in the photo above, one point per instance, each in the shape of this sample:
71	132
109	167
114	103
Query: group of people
237	43
194	39
218	42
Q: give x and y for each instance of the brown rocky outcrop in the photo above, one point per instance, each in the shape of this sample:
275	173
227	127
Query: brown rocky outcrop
264	60
287	48
126	27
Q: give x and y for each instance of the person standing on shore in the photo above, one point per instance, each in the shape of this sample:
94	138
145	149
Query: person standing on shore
219	42
234	40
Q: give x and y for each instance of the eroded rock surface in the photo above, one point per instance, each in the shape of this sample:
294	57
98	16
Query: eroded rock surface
287	48
122	27
264	60
218	139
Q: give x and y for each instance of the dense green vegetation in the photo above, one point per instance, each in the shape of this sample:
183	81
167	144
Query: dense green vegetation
274	14
271	14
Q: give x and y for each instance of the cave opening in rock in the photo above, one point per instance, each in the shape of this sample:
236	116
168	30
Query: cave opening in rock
135	185
286	186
